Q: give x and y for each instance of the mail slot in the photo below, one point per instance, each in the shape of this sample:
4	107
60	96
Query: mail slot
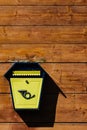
26	82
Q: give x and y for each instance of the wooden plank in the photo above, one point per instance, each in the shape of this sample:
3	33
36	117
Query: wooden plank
22	126
43	15
43	52
43	34
44	2
74	111
13	126
38	15
78	9
71	78
70	109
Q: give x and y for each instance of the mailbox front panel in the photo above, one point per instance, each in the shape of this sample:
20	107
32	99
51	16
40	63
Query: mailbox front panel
26	92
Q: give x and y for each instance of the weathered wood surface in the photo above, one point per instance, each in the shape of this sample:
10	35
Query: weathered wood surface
43	34
71	78
75	106
22	126
53	32
43	52
44	2
43	15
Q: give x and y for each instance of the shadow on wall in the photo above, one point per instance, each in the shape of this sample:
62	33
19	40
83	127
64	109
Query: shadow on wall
45	116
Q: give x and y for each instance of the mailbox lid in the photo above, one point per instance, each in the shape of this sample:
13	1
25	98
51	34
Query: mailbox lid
21	66
34	87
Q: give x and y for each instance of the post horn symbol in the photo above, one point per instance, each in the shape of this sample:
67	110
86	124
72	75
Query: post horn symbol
27	95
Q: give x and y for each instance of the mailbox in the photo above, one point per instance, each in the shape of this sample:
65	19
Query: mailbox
26	81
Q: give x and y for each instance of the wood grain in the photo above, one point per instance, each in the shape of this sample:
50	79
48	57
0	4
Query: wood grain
43	52
43	15
44	2
75	106
13	126
22	126
53	32
71	78
43	34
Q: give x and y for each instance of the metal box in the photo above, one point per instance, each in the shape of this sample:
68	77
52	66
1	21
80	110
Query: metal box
26	81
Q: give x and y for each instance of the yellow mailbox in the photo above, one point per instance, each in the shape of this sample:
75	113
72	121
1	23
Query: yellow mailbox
26	81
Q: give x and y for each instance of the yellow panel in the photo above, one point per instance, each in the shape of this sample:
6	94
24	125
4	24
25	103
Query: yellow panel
31	85
30	72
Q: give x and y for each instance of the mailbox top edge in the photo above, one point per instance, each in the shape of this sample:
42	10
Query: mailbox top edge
23	66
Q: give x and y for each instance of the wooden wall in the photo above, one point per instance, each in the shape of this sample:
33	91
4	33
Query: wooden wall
54	33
